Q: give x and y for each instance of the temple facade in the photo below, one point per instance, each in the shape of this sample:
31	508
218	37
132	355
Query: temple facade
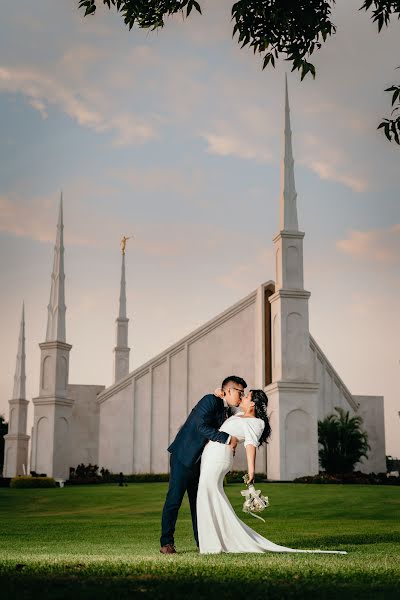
128	426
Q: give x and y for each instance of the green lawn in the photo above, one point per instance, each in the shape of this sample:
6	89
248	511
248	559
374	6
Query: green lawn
102	542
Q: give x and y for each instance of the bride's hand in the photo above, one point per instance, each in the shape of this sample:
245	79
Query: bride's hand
219	393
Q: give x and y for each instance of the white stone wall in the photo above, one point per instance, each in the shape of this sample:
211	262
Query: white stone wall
160	395
140	416
293	448
142	434
42	440
160	375
371	409
84	430
116	429
332	391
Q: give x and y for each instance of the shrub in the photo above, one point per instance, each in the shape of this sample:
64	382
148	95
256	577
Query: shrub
108	477
355	477
237	477
32	482
343	442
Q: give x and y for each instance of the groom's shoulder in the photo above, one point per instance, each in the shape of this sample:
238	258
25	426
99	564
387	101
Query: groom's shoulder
209	400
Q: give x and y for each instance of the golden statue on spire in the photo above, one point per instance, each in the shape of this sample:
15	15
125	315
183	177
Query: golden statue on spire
123	243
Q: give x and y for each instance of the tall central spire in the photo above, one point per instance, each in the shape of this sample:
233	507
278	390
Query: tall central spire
20	377
56	307
288	208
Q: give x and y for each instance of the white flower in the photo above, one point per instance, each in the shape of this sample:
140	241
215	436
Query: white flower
254	501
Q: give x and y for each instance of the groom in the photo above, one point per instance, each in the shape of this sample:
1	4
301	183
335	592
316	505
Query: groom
201	426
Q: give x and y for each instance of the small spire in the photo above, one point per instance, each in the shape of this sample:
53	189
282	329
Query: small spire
56	307
288	195
121	349
20	376
122	293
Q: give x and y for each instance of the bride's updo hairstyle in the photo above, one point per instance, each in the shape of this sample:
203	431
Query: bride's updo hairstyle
260	399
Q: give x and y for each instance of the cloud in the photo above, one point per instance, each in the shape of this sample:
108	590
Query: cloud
330	163
231	144
331	172
44	90
39	106
379	245
26	220
36	219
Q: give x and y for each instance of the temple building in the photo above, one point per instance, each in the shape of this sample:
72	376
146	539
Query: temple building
128	426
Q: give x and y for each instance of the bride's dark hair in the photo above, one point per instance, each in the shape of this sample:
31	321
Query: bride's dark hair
260	399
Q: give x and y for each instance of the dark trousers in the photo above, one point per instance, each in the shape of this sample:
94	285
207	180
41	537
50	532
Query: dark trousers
182	479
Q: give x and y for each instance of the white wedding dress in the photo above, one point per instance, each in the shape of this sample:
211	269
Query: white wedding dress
220	530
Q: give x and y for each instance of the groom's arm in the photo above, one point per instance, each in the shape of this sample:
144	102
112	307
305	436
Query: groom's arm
204	414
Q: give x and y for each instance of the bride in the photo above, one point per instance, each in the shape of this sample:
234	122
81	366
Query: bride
220	530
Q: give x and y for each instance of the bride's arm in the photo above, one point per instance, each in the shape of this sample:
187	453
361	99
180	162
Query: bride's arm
251	461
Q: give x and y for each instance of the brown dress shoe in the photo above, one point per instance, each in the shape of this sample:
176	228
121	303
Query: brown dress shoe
168	549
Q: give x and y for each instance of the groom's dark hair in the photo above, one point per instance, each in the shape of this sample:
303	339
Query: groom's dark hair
234	379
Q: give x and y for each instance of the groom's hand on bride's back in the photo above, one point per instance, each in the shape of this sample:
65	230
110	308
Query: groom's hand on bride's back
233	443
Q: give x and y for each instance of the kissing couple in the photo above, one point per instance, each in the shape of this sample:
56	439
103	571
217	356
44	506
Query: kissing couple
202	454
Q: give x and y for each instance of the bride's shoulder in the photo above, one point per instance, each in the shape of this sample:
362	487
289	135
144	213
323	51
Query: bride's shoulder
260	423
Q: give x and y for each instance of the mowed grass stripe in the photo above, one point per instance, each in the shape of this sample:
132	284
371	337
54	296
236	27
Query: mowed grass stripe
102	542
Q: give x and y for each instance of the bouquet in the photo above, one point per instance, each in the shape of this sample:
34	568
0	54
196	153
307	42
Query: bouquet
254	501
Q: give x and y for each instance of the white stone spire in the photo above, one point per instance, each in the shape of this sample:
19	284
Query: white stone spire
51	437
16	441
56	307
122	293
293	393
121	350
288	195
20	376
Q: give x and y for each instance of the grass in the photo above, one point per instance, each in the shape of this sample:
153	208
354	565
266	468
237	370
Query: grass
103	541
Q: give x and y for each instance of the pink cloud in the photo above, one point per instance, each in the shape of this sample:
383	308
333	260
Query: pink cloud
232	144
330	163
379	245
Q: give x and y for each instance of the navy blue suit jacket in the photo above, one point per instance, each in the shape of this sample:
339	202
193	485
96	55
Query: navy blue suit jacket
201	425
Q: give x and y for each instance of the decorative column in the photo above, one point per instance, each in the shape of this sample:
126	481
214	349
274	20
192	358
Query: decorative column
121	350
53	408
293	450
16	440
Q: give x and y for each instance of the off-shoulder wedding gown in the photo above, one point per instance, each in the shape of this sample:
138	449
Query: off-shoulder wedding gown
220	530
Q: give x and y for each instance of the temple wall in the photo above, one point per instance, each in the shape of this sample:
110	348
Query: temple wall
116	430
332	391
84	428
140	416
148	412
371	410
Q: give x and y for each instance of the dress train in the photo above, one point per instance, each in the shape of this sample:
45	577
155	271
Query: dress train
220	530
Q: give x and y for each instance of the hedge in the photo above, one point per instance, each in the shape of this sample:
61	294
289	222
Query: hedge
356	477
233	477
32	482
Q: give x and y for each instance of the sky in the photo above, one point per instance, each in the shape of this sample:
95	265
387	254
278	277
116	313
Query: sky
175	137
